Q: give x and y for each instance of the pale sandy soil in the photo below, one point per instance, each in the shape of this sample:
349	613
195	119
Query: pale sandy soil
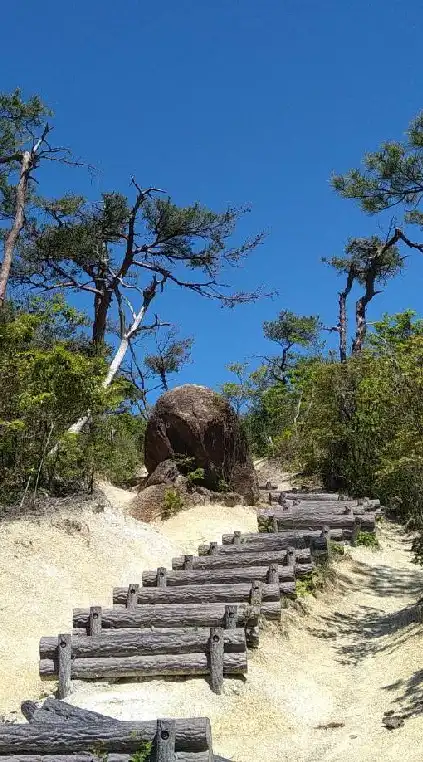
347	660
50	565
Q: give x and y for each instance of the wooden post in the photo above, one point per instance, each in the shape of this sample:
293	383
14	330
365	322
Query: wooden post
216	659
94	622
252	632
290	556
356	530
213	549
188	562
326	536
230	617
165	741
273	575
65	664
132	598
275	524
269	498
237	537
161	580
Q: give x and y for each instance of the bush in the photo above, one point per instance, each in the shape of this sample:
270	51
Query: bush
195	477
368	539
172	503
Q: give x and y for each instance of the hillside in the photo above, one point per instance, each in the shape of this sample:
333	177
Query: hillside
317	688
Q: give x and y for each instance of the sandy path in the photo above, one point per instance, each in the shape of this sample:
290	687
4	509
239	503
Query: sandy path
348	660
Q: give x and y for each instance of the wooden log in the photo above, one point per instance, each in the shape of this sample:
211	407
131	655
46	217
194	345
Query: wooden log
160	665
315	496
192	735
217	659
179	756
161	577
272	542
191	594
220	576
357	528
173	616
53	710
248	556
94	626
142	643
315	508
132	596
64	658
334	521
165	741
230	617
273	577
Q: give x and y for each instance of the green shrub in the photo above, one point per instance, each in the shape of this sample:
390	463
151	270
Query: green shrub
172	503
143	754
368	539
336	549
223	486
196	477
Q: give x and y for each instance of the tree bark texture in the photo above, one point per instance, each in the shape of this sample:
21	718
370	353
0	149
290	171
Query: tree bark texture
179	615
247	557
13	234
143	643
159	665
195	594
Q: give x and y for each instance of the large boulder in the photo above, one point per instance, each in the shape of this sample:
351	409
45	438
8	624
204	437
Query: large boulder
195	422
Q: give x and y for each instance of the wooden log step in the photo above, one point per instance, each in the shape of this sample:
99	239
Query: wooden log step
179	756
173	615
307	520
316	496
143	643
270	541
218	576
191	594
246	557
192	735
160	665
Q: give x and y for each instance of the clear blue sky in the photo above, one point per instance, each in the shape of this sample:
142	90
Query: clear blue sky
237	101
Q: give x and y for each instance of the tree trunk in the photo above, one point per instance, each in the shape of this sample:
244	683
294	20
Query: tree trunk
18	223
102	303
343	296
360	325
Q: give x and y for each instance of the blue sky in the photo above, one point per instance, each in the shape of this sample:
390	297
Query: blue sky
231	101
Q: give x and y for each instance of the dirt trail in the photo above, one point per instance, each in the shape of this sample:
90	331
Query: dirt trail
341	664
345	663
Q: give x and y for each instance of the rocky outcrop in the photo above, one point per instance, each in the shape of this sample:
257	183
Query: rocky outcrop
195	428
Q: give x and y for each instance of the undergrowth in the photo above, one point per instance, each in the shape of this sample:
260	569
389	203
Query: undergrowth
368	539
172	503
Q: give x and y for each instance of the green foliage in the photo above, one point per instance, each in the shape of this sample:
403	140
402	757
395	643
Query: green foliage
143	754
290	329
50	378
392	175
172	503
196	477
336	549
368	539
223	486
